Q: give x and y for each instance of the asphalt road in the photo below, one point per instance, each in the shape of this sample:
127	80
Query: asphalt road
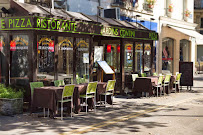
176	114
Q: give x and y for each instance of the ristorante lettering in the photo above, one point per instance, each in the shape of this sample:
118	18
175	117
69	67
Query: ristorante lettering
53	24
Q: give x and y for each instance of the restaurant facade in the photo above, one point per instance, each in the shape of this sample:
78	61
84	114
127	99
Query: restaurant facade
39	45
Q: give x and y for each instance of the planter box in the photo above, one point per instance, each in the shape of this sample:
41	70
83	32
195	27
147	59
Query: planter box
11	106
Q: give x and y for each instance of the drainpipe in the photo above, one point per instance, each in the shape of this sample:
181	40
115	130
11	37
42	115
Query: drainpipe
99	2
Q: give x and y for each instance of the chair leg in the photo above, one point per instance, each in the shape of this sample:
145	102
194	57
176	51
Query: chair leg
71	108
164	90
86	104
57	107
95	104
112	100
61	110
178	88
157	90
105	102
44	112
175	87
48	112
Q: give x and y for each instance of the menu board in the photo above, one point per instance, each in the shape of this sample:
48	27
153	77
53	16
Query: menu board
186	68
107	69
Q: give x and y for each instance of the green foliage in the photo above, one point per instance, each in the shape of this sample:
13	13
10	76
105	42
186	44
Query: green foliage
9	92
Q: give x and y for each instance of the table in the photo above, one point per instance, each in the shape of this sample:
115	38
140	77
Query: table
47	97
145	84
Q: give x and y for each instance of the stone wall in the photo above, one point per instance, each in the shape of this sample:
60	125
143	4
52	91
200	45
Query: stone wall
11	106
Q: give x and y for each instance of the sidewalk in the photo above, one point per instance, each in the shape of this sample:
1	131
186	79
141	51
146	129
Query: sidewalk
118	118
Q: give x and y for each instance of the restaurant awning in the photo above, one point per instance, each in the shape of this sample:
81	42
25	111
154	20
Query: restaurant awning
191	33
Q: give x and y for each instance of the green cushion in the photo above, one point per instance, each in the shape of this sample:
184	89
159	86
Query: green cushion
108	93
35	85
59	83
65	100
88	96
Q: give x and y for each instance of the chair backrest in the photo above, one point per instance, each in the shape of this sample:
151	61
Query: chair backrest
143	74
91	88
110	85
160	80
35	85
155	74
59	83
134	76
177	73
167	78
178	76
68	90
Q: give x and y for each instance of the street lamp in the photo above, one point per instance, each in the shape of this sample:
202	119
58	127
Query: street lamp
98	11
151	19
136	19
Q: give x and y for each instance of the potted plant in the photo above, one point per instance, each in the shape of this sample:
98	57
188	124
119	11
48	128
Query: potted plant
170	8
187	13
11	100
151	3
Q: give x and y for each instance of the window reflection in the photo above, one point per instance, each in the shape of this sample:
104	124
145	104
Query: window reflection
45	58
128	57
138	57
113	56
2	60
82	73
19	59
147	57
65	59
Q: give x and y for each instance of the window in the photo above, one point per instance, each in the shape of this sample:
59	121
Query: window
2	60
167	55
128	57
147	57
82	53
45	58
138	57
201	26
65	59
19	59
184	50
200	52
113	56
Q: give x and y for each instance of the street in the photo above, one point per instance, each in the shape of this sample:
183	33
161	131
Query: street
174	114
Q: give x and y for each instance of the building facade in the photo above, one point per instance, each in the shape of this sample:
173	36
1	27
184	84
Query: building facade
198	19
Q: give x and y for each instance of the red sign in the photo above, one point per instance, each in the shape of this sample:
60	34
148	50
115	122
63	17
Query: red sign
129	48
12	45
118	49
167	58
108	49
51	46
1	46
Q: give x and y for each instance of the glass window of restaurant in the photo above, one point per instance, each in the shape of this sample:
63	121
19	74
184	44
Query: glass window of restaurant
138	57
147	57
167	55
113	56
82	63
2	59
45	58
65	59
128	57
184	50
19	60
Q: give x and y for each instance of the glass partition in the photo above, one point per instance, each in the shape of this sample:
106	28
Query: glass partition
45	58
2	59
128	57
113	56
138	57
147	57
82	63
167	55
184	50
19	59
65	59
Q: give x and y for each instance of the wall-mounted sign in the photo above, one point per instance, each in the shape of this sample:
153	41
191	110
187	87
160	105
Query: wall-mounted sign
46	44
60	25
2	43
18	43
